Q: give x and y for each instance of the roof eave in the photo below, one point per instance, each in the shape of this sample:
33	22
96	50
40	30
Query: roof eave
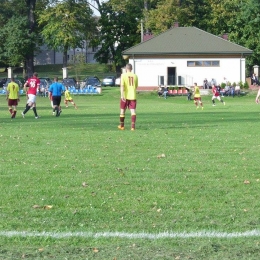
186	54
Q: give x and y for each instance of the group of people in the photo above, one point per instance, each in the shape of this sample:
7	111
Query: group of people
197	96
128	87
31	86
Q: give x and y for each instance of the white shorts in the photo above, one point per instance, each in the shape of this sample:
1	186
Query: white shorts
217	97
31	98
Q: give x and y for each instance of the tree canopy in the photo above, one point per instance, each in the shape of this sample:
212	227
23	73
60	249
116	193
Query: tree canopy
64	24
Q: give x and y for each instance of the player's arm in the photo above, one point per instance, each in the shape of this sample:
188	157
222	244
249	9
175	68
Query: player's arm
7	93
122	90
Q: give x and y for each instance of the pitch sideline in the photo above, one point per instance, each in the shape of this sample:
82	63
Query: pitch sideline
200	234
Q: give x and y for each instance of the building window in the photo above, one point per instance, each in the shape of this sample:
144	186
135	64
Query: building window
203	63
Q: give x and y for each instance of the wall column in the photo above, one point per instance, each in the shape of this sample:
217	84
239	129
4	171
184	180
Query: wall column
64	73
9	72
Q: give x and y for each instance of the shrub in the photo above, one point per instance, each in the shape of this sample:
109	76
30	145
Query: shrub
222	85
246	86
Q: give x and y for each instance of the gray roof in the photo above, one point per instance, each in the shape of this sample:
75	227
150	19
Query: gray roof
186	41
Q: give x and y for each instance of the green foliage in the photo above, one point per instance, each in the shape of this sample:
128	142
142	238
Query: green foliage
162	17
118	31
78	62
17	40
245	85
223	84
246	31
66	25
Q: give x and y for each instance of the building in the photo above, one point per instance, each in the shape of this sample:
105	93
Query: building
184	55
49	56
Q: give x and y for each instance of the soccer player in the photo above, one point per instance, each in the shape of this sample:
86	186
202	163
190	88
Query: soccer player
128	86
13	97
257	97
216	95
56	89
31	86
197	97
68	98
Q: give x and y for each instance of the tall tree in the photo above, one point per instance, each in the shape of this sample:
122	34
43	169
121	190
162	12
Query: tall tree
24	16
66	25
30	4
119	30
162	17
246	30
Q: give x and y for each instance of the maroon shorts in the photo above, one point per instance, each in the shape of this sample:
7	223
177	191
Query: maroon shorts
12	102
197	99
130	104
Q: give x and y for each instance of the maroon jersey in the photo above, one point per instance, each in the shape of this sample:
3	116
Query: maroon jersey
33	84
215	91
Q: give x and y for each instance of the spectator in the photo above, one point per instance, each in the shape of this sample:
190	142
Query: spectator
205	84
254	80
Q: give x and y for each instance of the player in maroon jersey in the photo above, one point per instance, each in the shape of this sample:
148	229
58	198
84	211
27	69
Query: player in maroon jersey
31	86
216	95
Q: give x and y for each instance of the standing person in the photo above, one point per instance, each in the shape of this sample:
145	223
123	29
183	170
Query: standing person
13	97
257	97
128	86
197	97
216	95
56	89
254	80
68	98
31	86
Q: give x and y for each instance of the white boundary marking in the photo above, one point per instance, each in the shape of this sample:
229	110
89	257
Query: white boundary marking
199	234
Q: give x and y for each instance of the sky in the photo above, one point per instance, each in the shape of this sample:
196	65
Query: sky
96	12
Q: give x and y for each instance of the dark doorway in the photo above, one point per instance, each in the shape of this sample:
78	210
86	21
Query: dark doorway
171	75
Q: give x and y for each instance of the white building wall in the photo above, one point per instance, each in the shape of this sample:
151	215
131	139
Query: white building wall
148	71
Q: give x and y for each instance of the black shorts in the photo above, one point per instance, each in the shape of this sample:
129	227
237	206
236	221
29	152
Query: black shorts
56	100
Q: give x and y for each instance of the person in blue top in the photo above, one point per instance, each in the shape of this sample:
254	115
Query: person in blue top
55	90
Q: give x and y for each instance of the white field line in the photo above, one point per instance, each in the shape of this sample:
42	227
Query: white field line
201	234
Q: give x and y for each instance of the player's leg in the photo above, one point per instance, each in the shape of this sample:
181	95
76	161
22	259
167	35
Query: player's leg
123	106
74	104
133	119
34	109
201	104
10	107
196	102
30	101
221	100
213	100
14	111
132	107
66	102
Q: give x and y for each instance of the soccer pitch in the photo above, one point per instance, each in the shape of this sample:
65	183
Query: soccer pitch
184	185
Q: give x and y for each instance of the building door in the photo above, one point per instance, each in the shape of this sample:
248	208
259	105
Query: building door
171	72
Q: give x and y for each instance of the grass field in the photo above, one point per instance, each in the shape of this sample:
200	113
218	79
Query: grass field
184	185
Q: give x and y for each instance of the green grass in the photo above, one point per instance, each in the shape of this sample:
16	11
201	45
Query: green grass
182	170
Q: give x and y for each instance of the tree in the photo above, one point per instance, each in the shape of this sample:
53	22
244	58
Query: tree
19	26
246	31
66	25
118	30
162	17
